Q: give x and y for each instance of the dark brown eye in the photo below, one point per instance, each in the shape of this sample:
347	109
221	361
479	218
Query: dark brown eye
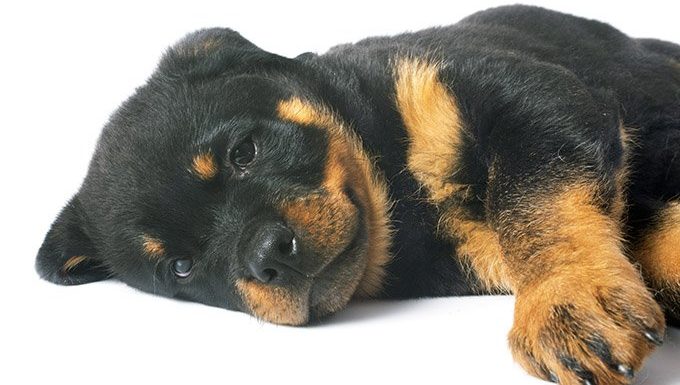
182	267
243	154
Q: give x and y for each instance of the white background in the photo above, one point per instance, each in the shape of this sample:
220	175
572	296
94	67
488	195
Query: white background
64	67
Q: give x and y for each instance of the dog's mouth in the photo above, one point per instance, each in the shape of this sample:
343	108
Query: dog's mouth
346	222
311	297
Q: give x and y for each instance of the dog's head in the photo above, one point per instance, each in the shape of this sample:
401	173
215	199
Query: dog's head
227	180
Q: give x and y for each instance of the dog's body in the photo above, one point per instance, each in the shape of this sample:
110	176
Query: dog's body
520	150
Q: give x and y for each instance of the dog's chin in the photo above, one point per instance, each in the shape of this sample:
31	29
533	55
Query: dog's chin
298	305
276	304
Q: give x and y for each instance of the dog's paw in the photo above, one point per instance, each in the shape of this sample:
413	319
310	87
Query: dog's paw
589	333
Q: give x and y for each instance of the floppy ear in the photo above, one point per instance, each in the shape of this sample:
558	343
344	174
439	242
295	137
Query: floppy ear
212	51
67	256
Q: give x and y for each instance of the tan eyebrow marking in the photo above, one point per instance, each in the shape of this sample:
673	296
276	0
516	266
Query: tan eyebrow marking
72	262
204	166
152	246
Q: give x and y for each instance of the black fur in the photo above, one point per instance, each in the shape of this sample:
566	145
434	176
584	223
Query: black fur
525	78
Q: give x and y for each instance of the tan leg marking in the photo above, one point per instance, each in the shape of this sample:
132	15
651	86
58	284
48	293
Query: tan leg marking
575	290
565	229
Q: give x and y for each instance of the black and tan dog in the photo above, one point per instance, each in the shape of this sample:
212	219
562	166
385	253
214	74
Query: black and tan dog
520	150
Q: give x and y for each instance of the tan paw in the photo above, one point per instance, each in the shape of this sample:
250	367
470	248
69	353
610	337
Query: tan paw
593	332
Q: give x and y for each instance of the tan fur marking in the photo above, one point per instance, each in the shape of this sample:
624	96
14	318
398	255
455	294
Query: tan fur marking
572	281
479	249
659	251
435	129
72	262
348	164
204	166
577	219
540	329
153	247
273	304
574	233
327	222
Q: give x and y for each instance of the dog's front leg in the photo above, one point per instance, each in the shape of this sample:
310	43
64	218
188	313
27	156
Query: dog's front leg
533	195
582	313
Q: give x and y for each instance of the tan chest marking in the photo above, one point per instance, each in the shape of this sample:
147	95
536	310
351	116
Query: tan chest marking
659	251
433	123
479	250
435	130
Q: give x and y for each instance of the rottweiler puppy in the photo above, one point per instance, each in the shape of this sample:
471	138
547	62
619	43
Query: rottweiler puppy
519	151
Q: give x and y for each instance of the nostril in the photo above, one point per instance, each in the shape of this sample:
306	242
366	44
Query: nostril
269	275
263	274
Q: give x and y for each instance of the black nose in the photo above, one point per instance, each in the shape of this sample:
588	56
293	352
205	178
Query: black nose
273	250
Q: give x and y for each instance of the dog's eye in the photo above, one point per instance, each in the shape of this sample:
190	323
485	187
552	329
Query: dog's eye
182	267
243	154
